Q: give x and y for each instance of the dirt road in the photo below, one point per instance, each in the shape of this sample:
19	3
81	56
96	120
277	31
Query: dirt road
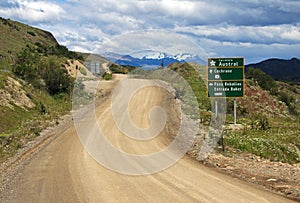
65	172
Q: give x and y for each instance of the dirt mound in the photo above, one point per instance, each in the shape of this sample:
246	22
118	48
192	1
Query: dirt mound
13	93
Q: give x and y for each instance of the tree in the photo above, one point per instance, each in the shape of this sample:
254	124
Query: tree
43	72
56	77
27	65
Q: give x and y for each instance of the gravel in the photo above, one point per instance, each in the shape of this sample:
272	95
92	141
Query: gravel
282	178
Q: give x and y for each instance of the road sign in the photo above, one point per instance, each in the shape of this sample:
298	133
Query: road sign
225	89
229	73
225	62
225	77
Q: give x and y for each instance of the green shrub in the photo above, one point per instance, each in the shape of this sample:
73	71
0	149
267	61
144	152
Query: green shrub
27	65
43	72
260	123
116	68
31	33
264	80
107	76
289	100
42	108
264	144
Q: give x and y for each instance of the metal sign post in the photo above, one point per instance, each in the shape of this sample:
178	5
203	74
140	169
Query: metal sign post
216	108
234	110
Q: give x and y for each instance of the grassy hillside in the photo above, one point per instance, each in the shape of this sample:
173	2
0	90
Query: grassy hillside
14	36
35	83
24	112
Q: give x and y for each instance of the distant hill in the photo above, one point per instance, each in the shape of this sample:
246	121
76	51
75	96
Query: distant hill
279	69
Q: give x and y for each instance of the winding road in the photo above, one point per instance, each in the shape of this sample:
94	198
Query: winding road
65	172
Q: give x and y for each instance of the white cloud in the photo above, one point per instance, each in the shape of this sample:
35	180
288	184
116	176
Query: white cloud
33	11
291	33
177	8
285	34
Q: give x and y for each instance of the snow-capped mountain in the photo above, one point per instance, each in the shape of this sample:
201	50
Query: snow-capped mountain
155	55
183	56
160	55
152	59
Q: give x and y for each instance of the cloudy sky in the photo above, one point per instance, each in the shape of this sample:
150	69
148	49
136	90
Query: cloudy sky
255	29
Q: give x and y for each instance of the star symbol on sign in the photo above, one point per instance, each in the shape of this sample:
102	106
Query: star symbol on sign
212	63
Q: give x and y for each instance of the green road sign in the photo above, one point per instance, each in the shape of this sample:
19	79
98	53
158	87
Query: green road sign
225	88
226	73
225	77
225	62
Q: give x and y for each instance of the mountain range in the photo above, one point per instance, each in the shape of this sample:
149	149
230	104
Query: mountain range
152	59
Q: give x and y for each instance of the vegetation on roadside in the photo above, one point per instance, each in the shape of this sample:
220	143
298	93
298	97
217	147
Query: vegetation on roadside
269	112
32	68
270	115
274	139
107	76
43	72
20	124
115	68
194	75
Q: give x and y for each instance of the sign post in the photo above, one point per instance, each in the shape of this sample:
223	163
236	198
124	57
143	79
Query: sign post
225	78
216	108
234	110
